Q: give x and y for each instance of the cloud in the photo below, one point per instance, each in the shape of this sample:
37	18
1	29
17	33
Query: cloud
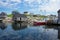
33	5
18	1
47	5
9	3
36	2
52	6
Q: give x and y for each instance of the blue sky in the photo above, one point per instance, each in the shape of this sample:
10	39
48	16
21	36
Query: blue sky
44	7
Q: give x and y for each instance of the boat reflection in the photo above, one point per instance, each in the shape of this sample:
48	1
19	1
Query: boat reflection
18	26
3	25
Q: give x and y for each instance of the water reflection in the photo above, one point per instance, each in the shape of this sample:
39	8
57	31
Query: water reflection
54	27
51	26
58	28
18	26
43	32
3	25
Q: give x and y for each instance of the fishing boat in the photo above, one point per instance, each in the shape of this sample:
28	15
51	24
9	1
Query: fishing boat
40	22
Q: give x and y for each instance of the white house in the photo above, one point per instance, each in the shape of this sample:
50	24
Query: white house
58	16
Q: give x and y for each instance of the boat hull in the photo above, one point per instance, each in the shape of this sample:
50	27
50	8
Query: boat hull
39	23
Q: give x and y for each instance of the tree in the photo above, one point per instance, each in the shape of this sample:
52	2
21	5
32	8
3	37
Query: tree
9	15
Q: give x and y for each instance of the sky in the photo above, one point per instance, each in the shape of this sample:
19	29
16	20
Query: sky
43	7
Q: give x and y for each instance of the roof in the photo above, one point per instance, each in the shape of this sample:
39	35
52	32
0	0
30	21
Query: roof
59	11
19	15
2	14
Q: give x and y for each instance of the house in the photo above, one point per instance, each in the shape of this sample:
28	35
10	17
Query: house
18	17
26	13
3	16
58	16
52	17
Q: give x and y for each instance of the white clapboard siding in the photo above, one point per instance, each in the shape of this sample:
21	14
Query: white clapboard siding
18	19
23	19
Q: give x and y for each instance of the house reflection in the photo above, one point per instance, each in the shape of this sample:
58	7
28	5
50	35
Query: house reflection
51	26
58	28
55	27
58	32
18	26
3	25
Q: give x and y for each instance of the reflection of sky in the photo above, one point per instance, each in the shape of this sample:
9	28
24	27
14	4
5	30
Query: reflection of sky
29	33
34	6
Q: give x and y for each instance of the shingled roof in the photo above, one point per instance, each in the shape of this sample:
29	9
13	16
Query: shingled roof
59	11
17	14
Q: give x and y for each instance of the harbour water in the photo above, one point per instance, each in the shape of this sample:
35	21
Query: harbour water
22	31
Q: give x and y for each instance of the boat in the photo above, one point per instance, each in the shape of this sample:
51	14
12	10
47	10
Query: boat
39	22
